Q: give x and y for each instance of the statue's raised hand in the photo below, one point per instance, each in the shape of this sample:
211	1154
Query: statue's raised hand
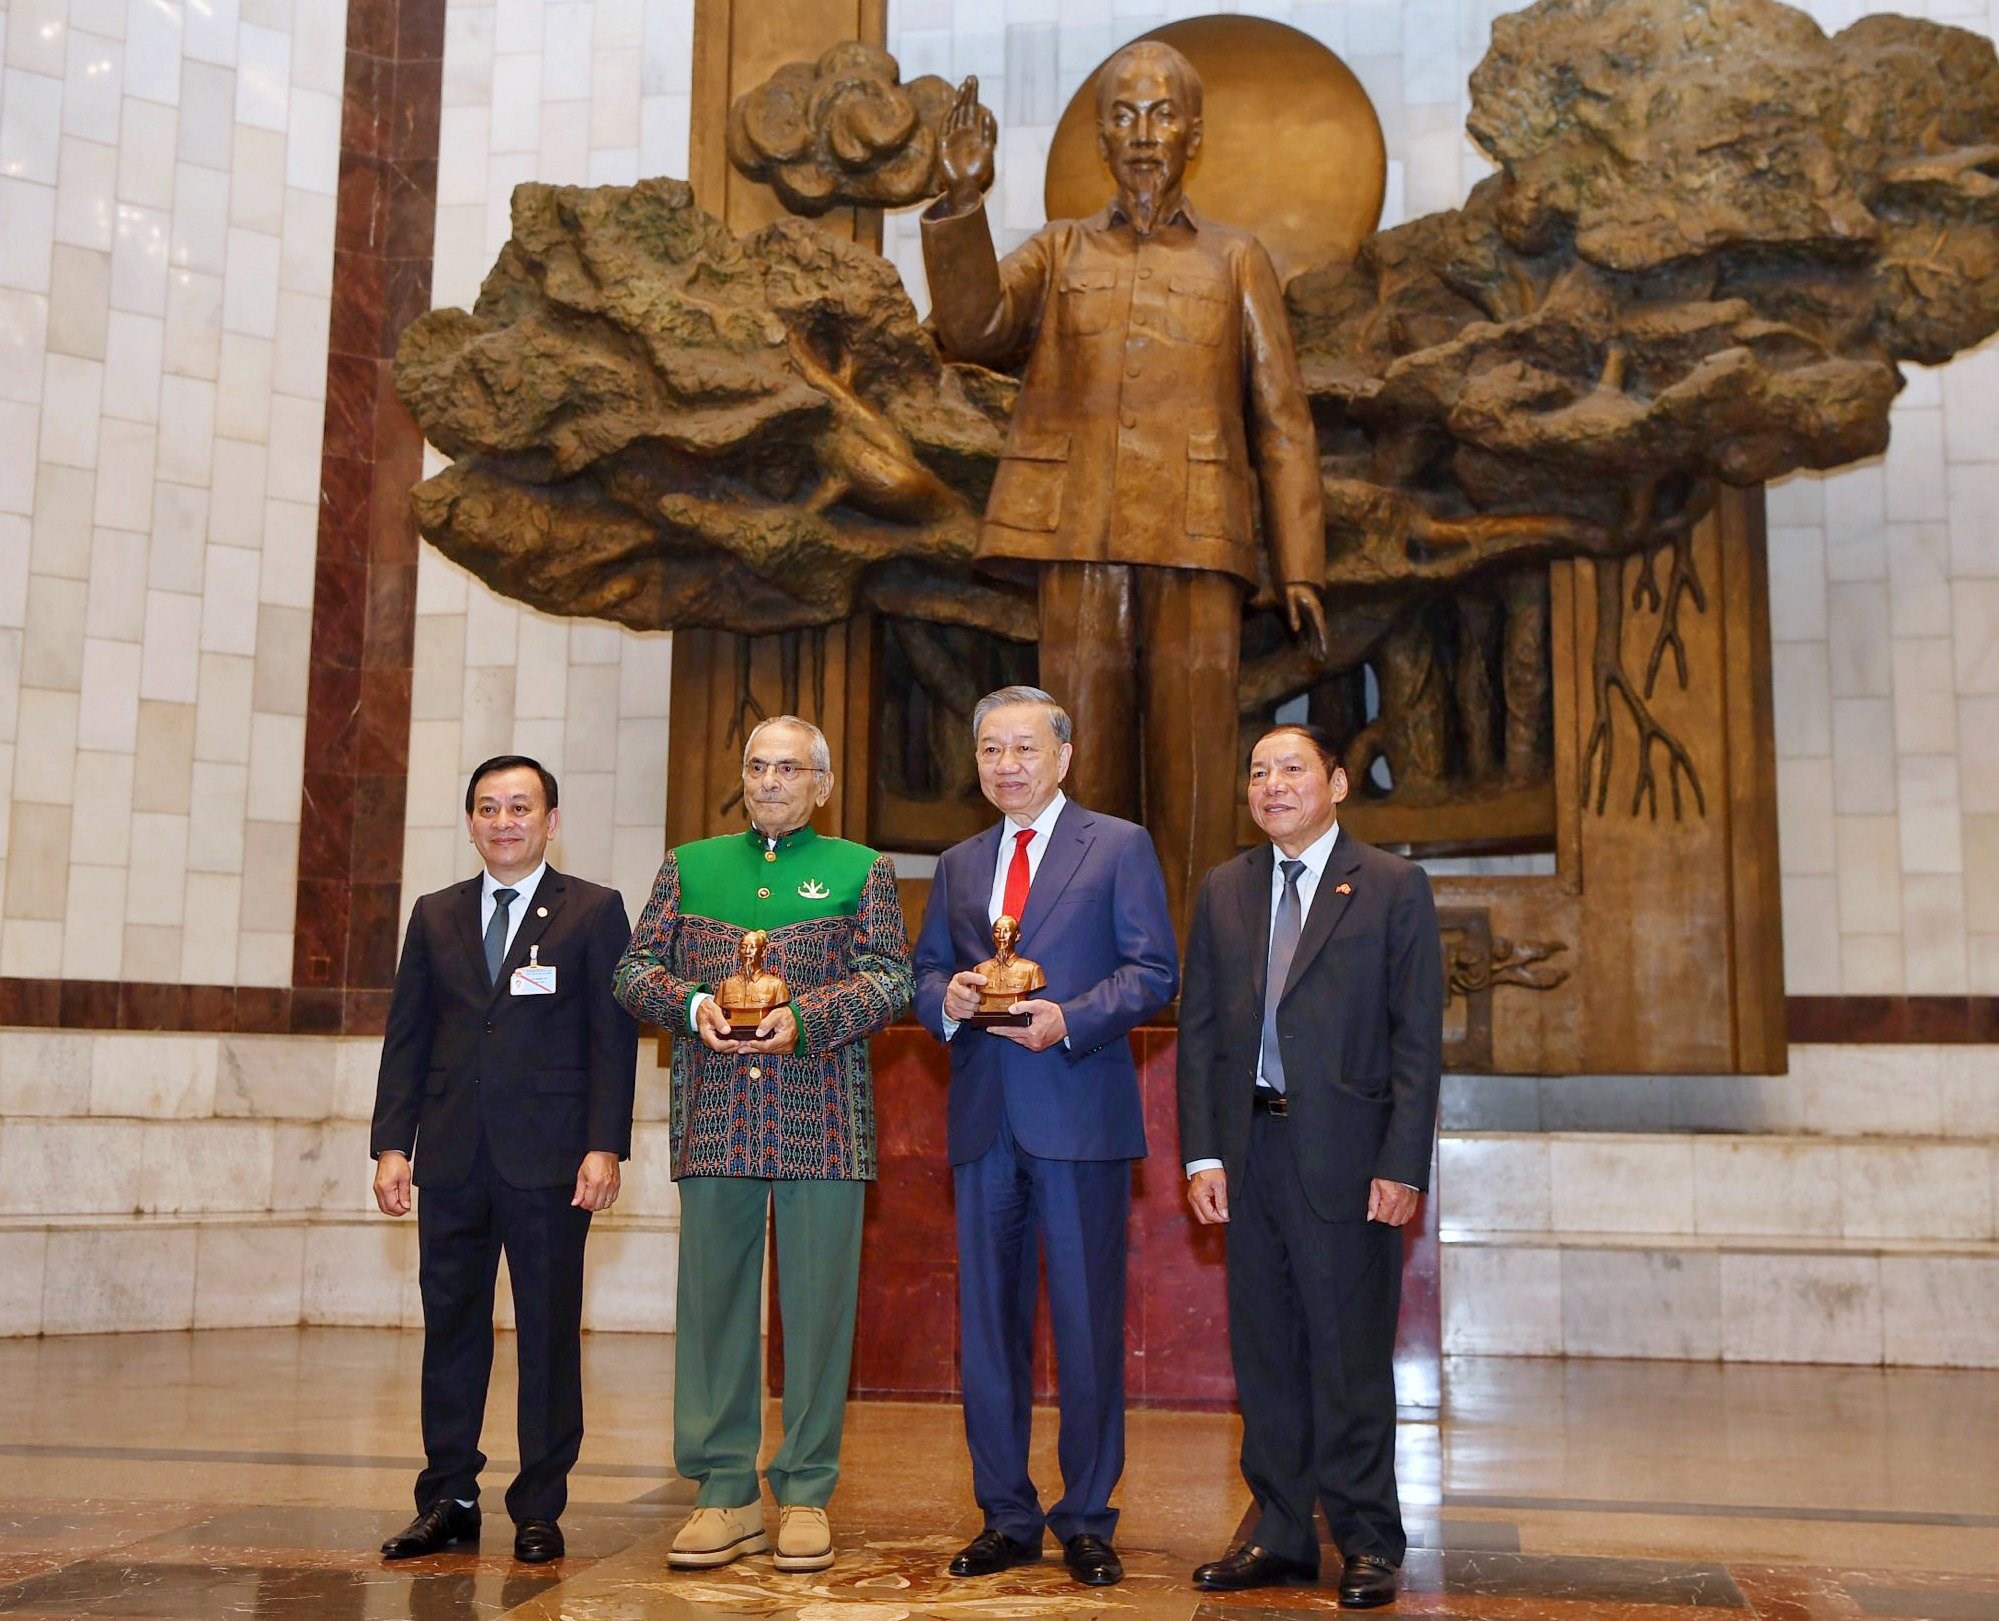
965	154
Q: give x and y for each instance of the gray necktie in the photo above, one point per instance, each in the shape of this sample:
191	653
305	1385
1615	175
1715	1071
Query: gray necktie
496	933
1283	947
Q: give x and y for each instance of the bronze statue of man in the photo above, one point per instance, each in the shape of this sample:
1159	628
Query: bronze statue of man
1161	393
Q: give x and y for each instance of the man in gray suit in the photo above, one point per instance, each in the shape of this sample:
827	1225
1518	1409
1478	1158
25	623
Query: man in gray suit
1311	1039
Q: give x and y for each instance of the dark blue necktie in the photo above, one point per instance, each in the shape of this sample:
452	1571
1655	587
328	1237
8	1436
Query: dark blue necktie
496	933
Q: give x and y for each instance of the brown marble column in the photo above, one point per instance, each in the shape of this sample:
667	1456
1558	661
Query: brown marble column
364	594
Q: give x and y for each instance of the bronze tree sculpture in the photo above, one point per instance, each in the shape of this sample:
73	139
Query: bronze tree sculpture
1713	237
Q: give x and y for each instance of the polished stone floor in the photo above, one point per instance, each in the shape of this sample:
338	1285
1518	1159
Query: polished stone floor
251	1473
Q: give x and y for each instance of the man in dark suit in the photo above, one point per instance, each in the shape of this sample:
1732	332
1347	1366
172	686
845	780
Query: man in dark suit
507	1073
1044	1123
1311	1039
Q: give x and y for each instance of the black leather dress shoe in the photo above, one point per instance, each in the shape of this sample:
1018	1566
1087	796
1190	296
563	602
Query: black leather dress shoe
991	1552
1092	1561
1366	1581
536	1542
443	1525
1251	1566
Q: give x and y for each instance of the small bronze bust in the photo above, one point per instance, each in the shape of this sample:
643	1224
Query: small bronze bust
1009	979
747	996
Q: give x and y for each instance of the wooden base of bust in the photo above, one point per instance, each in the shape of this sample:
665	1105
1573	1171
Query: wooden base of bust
983	1020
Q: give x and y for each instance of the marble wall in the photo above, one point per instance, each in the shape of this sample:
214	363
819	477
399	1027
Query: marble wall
1885	576
167	196
1884	596
167	178
1848	1213
176	1181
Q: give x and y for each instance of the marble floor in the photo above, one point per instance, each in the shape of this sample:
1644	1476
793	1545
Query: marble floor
253	1472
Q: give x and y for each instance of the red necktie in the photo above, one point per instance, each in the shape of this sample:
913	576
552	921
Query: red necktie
1016	876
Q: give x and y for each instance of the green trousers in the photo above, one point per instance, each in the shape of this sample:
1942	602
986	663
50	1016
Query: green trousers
717	1394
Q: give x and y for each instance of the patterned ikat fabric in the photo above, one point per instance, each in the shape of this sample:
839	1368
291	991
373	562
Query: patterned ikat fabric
805	1114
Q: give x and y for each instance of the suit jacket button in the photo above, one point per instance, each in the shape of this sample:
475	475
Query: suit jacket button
489	1029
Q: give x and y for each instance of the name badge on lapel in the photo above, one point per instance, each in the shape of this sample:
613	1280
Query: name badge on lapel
535	979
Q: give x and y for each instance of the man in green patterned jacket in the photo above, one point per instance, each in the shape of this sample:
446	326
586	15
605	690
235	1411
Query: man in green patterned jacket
784	1121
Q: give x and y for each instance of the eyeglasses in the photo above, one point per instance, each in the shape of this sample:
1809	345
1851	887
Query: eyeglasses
786	770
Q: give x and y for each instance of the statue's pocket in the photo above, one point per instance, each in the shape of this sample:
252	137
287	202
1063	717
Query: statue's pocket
1085	300
1211	485
1027	490
1196	311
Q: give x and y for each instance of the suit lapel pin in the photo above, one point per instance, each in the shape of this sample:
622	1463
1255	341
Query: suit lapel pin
1343	889
541	911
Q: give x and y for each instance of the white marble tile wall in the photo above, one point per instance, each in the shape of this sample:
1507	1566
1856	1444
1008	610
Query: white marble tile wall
1885	577
1732	1302
1885	618
167	179
572	92
1832	1089
240	1175
1745	1247
1589	1185
54	1076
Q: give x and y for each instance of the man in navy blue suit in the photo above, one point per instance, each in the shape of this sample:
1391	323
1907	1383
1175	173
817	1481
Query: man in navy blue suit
1044	1123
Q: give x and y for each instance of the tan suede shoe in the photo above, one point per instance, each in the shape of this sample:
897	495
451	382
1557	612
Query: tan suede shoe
718	1536
804	1538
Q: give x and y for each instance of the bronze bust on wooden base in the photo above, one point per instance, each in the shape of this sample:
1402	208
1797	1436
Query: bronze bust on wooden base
1009	979
748	997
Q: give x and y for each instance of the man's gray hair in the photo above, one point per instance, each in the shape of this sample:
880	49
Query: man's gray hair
1156	53
1058	717
822	756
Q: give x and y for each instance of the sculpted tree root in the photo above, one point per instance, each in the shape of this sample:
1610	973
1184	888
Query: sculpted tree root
1608	680
1683	584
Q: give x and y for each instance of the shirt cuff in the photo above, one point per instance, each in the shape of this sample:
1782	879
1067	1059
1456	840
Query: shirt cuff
693	1007
950	1027
1194	1165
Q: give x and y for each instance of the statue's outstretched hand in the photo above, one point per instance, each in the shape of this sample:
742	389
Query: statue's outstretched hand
965	154
1307	616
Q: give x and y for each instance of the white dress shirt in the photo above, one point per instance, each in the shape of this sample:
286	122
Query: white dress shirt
517	909
1037	847
1315	856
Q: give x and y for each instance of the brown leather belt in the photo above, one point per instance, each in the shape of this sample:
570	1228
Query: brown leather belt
1265	1101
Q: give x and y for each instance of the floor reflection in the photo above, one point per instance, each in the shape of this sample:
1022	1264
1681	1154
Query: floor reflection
195	1477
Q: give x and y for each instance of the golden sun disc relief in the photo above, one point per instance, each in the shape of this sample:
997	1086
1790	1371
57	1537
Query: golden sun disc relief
1291	148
